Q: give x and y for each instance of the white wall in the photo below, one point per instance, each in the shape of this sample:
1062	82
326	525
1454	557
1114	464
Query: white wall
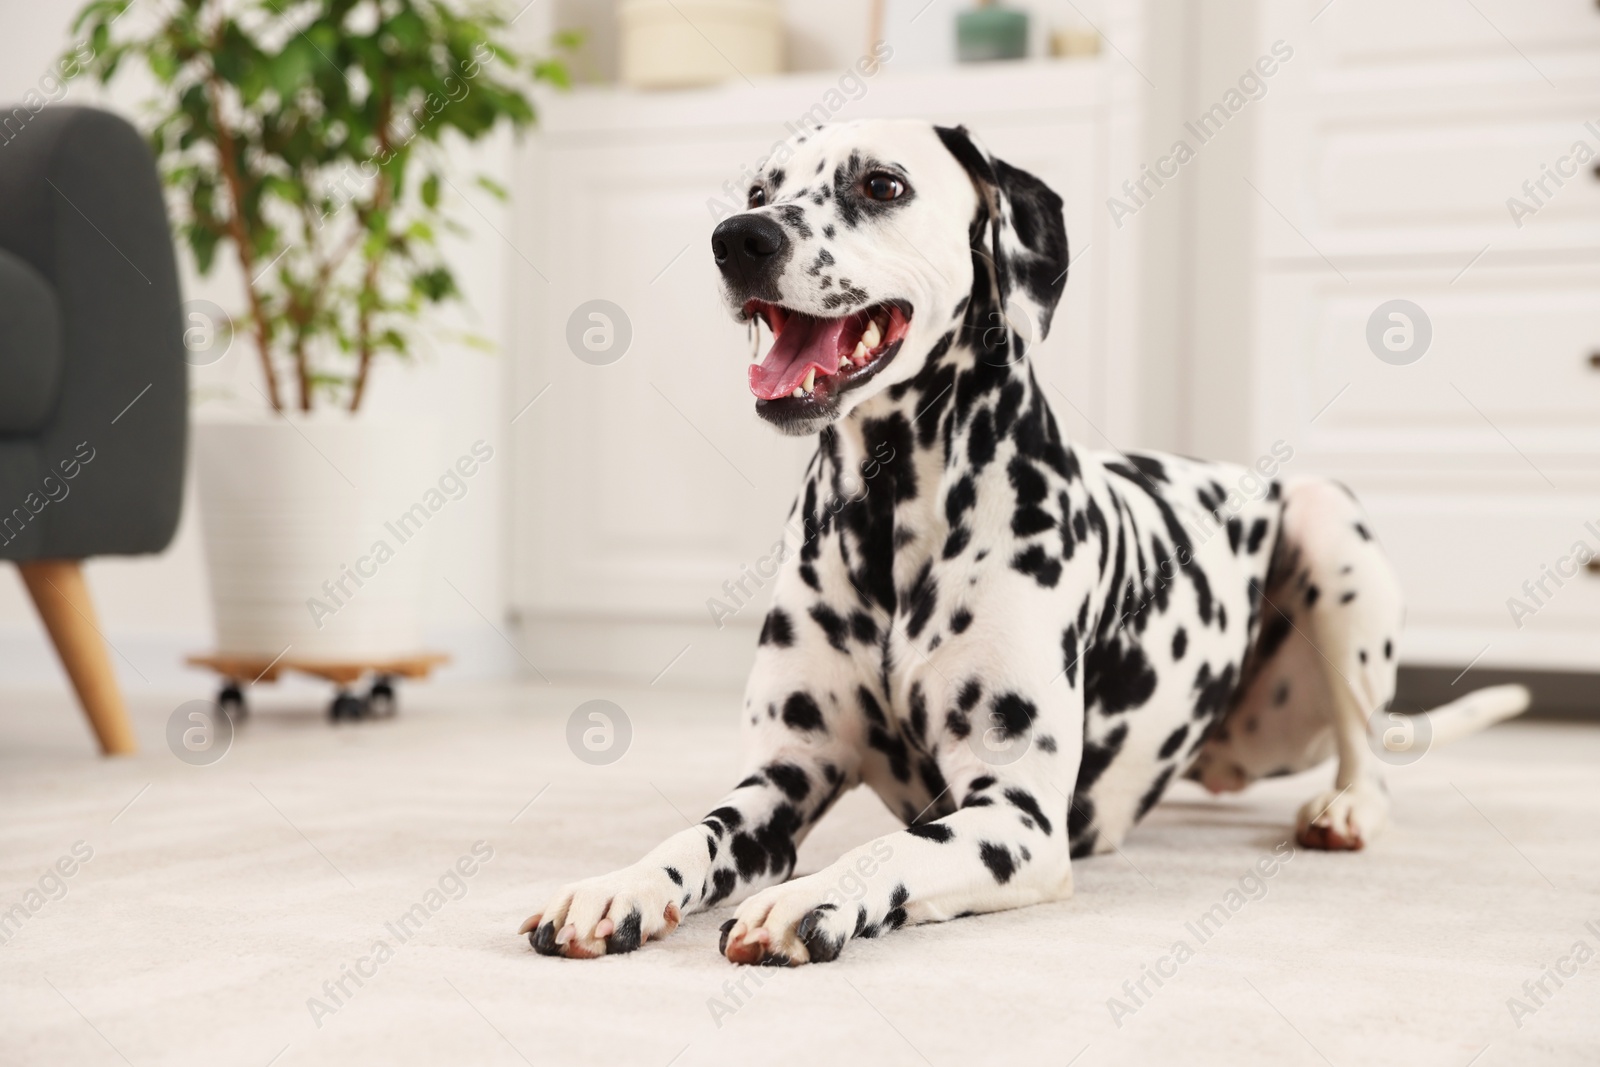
154	610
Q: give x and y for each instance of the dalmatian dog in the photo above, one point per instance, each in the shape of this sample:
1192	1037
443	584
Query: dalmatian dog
1017	643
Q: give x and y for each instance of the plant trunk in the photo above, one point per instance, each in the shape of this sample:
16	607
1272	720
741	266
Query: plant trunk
380	200
241	241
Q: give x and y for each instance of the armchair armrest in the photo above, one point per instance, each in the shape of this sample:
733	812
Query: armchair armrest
81	207
30	348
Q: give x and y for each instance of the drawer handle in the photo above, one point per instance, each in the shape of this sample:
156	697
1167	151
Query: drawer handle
1594	360
1593	566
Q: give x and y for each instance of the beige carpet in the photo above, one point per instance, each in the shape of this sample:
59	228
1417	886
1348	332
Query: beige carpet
218	901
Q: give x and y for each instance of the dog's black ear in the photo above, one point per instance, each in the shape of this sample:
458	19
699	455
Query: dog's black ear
1021	235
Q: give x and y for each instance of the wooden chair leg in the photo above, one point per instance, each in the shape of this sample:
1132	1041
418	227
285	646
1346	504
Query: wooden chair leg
62	598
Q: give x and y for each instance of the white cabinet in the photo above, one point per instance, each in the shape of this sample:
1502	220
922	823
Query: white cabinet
642	486
1386	157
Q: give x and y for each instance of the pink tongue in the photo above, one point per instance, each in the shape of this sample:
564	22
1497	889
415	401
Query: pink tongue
805	342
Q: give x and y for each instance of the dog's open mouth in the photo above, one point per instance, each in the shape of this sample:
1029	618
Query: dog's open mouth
814	360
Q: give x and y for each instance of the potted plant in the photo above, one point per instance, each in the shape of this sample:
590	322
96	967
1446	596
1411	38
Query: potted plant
307	139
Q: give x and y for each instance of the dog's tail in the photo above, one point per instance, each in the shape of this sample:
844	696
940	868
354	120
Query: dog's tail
1465	715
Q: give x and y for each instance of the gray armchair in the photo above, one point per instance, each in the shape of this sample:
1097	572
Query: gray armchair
93	384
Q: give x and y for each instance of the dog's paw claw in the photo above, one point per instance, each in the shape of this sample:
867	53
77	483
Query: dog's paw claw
606	916
785	926
543	940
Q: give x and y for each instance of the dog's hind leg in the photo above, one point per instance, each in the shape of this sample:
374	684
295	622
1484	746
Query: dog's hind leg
1338	592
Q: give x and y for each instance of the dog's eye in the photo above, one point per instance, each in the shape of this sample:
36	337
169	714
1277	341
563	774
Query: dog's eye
758	196
883	187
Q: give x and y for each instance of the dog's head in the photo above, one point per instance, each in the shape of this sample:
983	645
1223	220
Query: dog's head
870	244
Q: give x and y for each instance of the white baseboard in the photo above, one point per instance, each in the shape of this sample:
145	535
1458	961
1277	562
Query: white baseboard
1548	649
648	652
156	660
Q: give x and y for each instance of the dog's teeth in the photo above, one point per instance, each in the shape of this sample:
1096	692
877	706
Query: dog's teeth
844	361
861	352
811	380
798	392
872	335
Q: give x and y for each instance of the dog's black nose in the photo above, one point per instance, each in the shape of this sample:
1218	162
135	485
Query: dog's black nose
749	248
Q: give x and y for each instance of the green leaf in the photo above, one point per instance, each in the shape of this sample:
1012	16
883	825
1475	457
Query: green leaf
430	190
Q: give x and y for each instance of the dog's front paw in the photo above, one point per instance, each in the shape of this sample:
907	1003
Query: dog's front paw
1343	820
791	924
612	914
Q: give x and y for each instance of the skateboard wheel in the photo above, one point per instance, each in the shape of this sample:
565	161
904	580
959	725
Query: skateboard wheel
380	698
231	700
346	705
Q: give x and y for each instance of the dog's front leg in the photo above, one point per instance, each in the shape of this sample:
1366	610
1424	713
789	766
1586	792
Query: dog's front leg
1006	845
804	745
1006	849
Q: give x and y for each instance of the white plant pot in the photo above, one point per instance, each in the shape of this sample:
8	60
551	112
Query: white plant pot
674	44
312	543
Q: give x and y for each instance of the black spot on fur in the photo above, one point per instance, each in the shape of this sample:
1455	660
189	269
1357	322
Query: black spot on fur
1274	631
894	749
931	831
870	707
1258	533
963	496
1034	561
1097	756
832	625
957	542
811	931
791	779
1013	715
1180	644
1174	741
862	628
1023	800
981	441
998	860
1212	694
1153	794
777	630
802	713
723	882
1117	677
625	938
922	598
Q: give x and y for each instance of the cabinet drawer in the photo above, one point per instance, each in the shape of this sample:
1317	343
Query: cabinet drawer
1513	363
1430	182
1499	570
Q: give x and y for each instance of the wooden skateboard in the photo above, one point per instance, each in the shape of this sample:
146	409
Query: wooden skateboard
378	701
